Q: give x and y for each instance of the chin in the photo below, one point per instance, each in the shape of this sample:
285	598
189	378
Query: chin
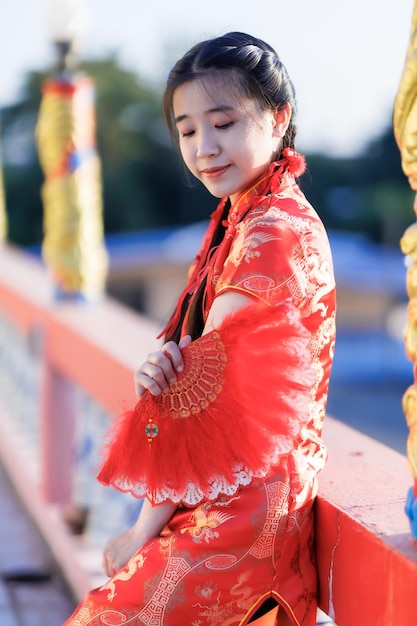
216	194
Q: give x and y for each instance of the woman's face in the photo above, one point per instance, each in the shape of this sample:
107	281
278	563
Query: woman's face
226	143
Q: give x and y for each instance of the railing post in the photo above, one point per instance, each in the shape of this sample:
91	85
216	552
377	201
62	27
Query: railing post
57	434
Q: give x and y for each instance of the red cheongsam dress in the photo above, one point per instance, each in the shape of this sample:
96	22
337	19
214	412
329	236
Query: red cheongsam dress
237	441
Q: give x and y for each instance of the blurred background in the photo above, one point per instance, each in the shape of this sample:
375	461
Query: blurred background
346	61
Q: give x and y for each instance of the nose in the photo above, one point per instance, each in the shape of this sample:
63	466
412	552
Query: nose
207	145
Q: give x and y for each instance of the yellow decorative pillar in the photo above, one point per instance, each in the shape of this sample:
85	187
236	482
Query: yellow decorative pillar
405	130
73	247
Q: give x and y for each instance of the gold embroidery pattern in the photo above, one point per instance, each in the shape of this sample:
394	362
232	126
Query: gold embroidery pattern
153	613
135	563
202	379
205	519
277	506
308	275
242	597
97	616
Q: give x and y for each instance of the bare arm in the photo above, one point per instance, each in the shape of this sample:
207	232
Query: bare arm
223	305
149	524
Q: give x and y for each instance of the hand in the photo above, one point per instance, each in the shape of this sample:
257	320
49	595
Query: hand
160	368
118	551
149	524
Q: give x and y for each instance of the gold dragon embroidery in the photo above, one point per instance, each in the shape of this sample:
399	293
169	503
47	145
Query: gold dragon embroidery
230	613
132	566
204	519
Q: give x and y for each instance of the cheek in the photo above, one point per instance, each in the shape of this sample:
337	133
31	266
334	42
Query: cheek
185	152
255	137
188	156
263	146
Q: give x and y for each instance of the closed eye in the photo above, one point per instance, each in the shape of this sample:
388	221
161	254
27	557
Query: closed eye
190	133
224	126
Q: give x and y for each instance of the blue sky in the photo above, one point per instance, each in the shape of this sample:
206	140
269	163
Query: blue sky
345	58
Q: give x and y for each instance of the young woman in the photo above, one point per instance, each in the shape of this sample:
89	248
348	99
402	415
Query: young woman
224	443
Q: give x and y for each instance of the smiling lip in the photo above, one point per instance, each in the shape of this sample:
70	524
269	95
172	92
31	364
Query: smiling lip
215	172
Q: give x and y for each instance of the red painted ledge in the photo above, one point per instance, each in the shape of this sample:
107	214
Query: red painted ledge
367	560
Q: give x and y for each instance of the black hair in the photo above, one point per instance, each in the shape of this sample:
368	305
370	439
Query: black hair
254	70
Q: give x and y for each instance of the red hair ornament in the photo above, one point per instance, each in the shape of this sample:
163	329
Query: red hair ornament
295	162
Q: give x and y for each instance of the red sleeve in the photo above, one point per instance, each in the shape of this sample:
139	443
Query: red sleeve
267	258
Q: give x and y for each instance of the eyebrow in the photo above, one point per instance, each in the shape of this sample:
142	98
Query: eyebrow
218	109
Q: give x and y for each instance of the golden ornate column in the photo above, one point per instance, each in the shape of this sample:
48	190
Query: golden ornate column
405	130
73	245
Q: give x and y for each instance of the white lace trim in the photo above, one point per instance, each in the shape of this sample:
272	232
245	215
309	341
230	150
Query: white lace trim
192	494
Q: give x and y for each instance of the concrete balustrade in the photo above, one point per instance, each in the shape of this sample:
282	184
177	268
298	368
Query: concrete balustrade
367	562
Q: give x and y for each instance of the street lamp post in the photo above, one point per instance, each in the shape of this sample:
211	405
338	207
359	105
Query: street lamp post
73	247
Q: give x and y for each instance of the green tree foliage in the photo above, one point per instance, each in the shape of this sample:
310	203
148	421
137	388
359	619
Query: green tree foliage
367	194
22	173
145	186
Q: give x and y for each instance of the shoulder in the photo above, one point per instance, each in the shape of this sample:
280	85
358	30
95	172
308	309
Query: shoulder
284	215
288	208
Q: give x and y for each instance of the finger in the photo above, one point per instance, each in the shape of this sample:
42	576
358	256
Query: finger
172	350
143	383
158	371
166	360
185	341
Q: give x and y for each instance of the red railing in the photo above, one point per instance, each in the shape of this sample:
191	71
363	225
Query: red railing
367	562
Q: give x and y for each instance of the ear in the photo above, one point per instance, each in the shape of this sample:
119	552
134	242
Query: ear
282	120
